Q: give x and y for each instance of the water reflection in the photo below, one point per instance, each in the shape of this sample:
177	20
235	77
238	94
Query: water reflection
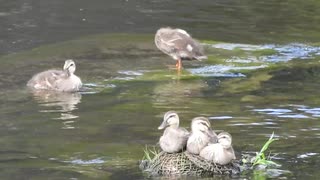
62	103
176	94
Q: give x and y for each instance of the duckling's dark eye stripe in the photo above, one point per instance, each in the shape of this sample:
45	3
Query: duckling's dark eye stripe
170	117
205	124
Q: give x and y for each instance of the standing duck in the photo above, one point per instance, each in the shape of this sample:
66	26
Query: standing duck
174	138
178	44
201	135
221	152
57	80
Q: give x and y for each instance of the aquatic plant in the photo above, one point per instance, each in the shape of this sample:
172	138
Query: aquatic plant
261	158
150	152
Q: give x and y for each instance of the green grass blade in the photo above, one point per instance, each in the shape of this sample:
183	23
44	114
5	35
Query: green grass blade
261	158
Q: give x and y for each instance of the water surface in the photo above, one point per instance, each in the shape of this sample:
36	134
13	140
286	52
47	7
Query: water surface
262	76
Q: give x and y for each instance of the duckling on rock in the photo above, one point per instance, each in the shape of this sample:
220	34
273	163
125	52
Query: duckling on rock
174	138
178	44
221	152
201	135
57	80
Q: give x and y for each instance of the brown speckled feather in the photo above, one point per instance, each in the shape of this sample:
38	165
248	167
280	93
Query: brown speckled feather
178	44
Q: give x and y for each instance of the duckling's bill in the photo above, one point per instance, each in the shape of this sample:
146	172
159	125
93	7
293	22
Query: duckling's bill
163	125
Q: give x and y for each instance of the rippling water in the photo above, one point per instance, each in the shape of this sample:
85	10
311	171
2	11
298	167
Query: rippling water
262	76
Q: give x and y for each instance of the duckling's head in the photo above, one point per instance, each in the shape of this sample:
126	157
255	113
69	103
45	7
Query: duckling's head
200	124
69	66
163	30
168	30
171	118
225	139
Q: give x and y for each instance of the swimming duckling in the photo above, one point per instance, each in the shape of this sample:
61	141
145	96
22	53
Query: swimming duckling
178	44
174	138
57	80
201	135
221	152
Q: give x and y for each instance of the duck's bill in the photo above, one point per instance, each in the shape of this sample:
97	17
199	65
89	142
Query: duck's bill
162	126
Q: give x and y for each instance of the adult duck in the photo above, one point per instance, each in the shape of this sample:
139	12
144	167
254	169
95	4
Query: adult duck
178	44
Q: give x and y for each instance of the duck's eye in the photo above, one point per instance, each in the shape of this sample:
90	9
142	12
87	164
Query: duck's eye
71	64
203	123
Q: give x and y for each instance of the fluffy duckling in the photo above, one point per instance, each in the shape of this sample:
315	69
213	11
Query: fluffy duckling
174	138
201	135
57	80
178	44
221	152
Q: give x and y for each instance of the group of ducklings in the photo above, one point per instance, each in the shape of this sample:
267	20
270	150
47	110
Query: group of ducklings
202	140
177	43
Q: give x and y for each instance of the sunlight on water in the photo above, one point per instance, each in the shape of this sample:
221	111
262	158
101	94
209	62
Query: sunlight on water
128	78
294	116
283	52
293	111
94	85
273	111
94	88
220	71
129	75
87	162
315	112
221	117
246	47
307	155
68	124
266	124
66	116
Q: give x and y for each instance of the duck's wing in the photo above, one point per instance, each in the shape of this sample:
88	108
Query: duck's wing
55	77
46	79
184	132
167	42
185	46
231	151
208	152
213	136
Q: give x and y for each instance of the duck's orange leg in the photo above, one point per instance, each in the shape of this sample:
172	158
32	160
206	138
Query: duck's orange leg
179	64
